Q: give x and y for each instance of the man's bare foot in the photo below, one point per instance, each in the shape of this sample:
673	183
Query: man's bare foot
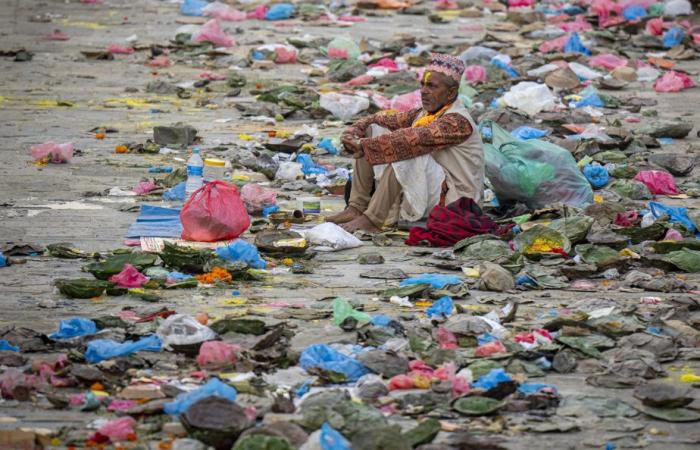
347	215
360	223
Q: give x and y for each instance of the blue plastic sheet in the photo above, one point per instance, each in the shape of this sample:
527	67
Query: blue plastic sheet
193	7
324	357
526	133
574	45
327	145
214	387
101	349
533	388
673	36
435	280
175	193
5	345
441	307
74	327
160	169
634	12
332	439
675	215
505	67
492	379
242	251
156	221
280	11
596	175
308	166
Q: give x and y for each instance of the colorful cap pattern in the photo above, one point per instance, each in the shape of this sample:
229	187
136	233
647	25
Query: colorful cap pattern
448	65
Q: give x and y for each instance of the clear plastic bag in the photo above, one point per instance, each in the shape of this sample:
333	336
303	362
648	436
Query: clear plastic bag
52	152
343	106
215	212
181	329
534	172
289	171
75	327
529	97
242	251
212	32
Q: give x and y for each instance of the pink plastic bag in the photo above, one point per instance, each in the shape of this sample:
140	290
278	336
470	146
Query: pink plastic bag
144	187
490	349
386	63
360	80
118	430
214	212
407	102
446	4
447	339
337	53
129	277
658	182
212	76
216	355
159	61
212	32
258	13
475	73
256	197
399	382
52	152
673	235
57	35
673	82
578	25
521	3
120	50
554	45
285	54
603	8
655	27
121	405
221	11
607	61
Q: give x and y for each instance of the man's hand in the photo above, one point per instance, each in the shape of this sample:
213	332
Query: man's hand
352	145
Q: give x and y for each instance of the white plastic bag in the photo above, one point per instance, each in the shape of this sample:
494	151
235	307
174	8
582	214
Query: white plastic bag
181	329
678	8
529	97
584	72
342	106
329	237
289	171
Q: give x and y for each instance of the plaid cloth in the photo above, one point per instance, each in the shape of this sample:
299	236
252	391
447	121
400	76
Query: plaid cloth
449	224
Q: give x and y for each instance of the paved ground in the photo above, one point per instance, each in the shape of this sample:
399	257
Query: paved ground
49	205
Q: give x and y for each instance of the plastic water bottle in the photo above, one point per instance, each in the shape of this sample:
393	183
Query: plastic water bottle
195	171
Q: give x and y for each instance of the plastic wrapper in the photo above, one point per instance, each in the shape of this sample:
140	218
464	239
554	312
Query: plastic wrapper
215	212
330	237
596	175
332	439
217	355
75	327
673	81
440	308
658	182
222	11
213	387
323	357
435	280
343	106
534	172
129	277
101	349
212	32
280	11
530	97
181	329
52	152
118	430
242	251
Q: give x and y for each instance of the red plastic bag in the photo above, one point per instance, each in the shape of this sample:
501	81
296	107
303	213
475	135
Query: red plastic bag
215	212
214	355
52	152
673	82
655	27
212	32
658	182
129	277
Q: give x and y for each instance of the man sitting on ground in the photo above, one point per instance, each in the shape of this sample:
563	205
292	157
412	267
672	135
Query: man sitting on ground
411	159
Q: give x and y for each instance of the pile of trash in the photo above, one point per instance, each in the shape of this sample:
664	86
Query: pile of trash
224	321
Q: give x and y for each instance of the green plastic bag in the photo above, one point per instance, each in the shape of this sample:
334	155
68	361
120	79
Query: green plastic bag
534	172
342	310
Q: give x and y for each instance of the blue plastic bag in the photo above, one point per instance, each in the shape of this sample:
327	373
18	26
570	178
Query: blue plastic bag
533	388
634	12
6	346
675	215
242	251
101	349
441	307
327	145
324	357
193	7
492	379
3	260
267	210
381	320
504	67
308	166
526	133
673	36
175	193
485	338
213	387
304	388
74	327
591	99
574	45
280	11
332	439
596	175
435	280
